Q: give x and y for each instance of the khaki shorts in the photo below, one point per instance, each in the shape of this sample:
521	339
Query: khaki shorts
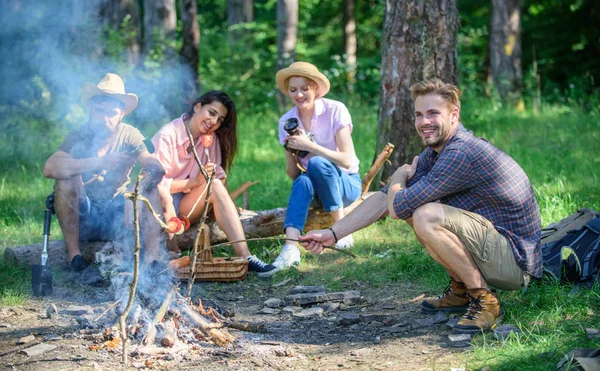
490	249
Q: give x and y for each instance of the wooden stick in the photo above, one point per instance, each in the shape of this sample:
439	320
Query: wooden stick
136	266
248	326
241	189
107	309
160	314
377	164
156	216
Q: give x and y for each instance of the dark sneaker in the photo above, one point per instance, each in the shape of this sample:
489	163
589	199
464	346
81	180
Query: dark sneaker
78	263
484	313
261	268
454	299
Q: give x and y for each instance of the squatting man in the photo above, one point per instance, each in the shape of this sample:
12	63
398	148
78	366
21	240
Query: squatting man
470	205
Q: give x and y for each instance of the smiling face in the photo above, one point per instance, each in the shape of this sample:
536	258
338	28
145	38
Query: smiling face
303	92
435	120
208	117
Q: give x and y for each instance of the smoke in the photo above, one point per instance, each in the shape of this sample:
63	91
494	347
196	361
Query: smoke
50	49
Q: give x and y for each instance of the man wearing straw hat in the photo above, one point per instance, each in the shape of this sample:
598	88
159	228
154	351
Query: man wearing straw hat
92	168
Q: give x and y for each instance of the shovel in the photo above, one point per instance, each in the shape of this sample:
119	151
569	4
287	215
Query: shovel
41	274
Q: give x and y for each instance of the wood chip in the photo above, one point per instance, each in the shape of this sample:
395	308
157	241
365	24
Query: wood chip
37	350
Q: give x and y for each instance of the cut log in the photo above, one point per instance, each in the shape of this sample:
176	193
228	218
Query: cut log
262	223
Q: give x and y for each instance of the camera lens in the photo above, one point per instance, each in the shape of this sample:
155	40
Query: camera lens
290	125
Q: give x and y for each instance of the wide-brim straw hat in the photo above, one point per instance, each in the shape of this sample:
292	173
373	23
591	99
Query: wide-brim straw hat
112	86
306	70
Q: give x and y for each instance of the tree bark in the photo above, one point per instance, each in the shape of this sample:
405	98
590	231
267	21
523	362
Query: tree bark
160	23
287	29
419	42
350	42
505	50
124	15
190	48
238	11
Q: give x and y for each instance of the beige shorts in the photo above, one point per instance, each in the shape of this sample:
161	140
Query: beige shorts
489	248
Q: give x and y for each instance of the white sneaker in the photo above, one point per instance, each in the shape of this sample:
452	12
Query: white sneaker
345	243
289	256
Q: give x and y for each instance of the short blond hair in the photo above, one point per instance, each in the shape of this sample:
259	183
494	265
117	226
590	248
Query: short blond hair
449	92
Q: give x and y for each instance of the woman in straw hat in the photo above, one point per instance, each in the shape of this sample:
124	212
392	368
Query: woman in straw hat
320	156
210	124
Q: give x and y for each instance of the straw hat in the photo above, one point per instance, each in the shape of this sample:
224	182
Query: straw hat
111	85
303	69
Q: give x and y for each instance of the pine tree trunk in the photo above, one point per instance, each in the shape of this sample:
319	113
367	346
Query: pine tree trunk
350	42
160	23
124	15
190	49
505	49
238	11
419	42
287	29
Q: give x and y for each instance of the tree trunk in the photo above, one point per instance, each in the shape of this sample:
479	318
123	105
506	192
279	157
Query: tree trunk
124	15
238	11
287	29
505	49
350	42
419	42
160	23
190	48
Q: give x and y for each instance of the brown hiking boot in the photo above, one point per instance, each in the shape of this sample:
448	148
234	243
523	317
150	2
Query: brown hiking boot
484	312
454	299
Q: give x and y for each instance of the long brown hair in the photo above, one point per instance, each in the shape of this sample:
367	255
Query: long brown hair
227	132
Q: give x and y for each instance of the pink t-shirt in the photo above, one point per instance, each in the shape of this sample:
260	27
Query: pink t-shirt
171	143
330	116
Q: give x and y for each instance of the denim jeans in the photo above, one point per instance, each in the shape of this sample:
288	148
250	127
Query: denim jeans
324	182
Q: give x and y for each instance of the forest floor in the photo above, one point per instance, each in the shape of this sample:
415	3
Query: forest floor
384	330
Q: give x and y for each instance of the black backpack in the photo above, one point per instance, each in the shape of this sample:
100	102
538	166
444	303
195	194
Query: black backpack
575	257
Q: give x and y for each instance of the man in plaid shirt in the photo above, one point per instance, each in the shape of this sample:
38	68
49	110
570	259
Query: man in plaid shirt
469	204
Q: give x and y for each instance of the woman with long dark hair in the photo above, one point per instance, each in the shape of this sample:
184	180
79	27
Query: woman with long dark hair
210	124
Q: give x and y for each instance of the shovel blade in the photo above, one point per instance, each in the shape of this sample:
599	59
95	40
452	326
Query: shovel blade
41	280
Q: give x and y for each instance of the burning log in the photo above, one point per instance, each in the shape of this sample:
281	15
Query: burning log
261	223
219	337
168	339
160	314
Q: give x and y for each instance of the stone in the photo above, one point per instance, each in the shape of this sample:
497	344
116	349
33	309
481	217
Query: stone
309	312
4	325
292	309
440	317
349	297
26	339
53	338
330	307
389	321
591	333
503	332
452	322
267	310
307	289
347	319
51	311
76	310
460	340
274	303
37	350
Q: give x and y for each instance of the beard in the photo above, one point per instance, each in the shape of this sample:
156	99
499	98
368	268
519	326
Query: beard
441	135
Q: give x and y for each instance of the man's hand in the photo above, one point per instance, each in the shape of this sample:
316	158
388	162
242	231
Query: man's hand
404	173
315	241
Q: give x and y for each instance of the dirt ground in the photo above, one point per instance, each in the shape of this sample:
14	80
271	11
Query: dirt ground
390	332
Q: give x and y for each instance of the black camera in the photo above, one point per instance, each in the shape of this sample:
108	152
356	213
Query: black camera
291	126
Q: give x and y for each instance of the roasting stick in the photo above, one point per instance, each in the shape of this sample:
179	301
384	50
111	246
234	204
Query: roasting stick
206	142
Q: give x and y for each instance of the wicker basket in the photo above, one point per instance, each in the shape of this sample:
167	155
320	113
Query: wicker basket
214	269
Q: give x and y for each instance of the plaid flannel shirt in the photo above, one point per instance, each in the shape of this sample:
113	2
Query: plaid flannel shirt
471	174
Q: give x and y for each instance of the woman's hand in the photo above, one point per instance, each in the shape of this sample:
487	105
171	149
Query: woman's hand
300	142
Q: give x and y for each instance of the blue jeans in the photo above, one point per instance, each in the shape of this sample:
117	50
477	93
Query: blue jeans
325	182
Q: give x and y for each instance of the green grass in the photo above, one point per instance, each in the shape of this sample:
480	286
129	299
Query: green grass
558	149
